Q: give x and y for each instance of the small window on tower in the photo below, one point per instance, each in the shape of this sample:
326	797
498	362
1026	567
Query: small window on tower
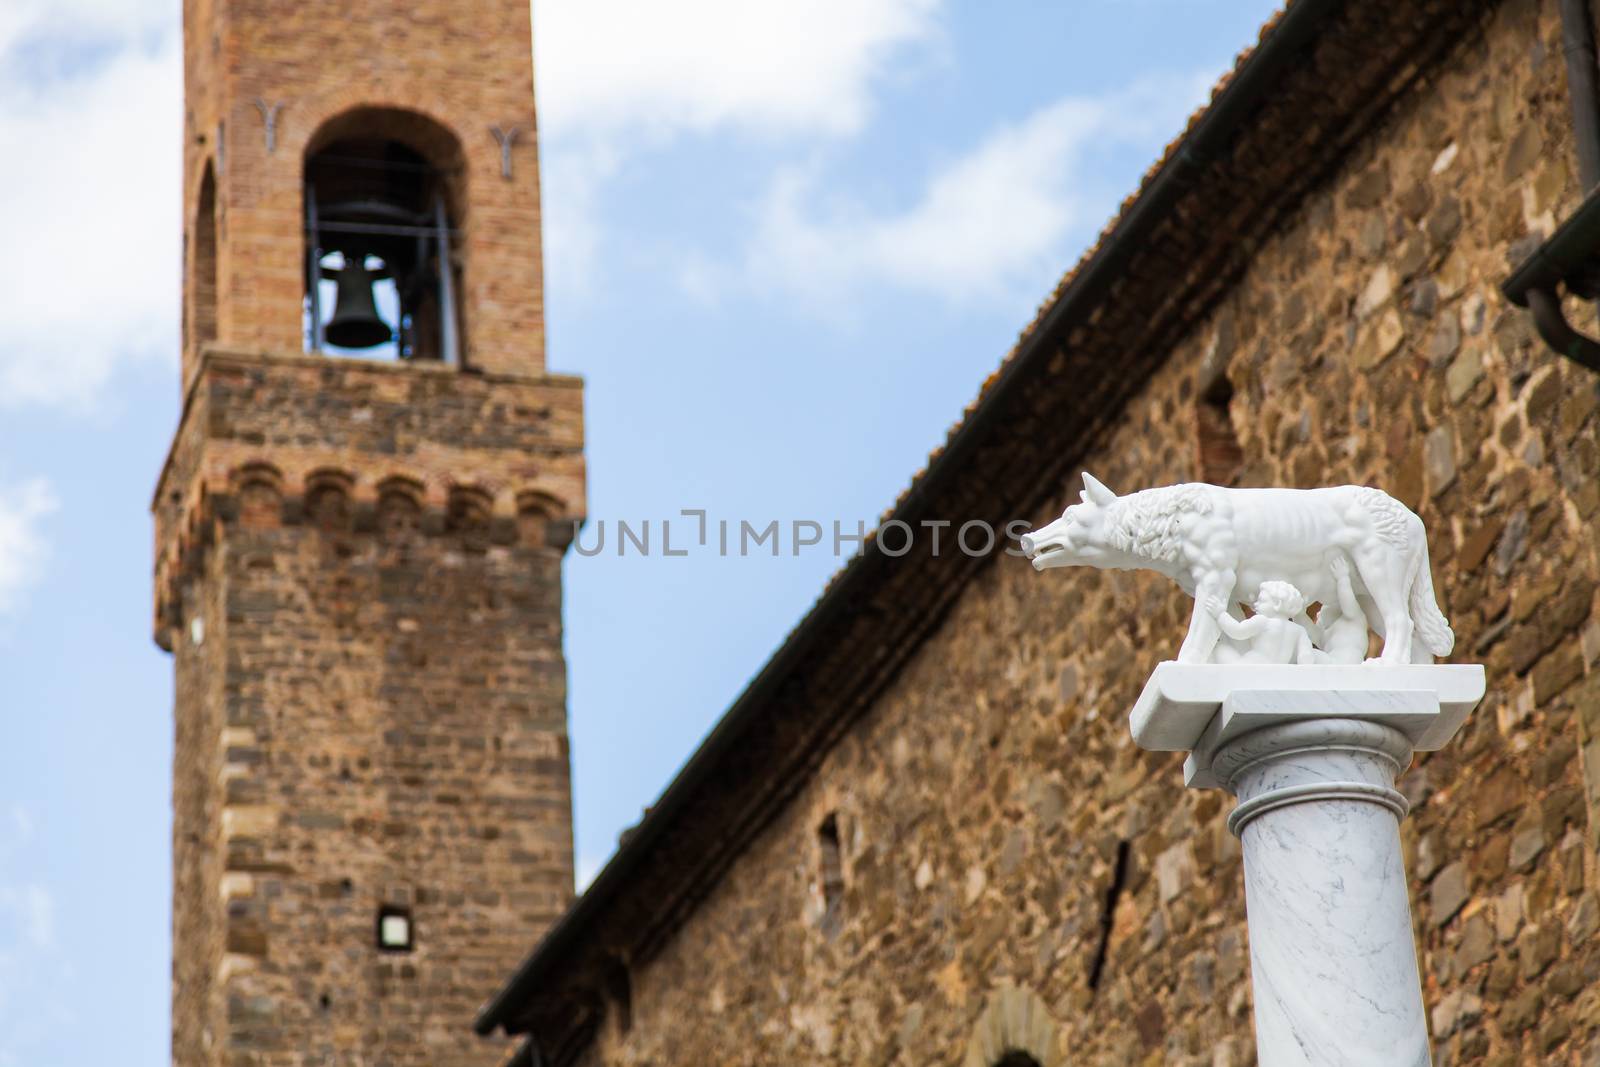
381	247
394	929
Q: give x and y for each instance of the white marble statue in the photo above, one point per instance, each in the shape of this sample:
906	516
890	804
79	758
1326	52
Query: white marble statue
1357	551
1288	714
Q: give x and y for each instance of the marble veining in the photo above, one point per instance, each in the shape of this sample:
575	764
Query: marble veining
1332	961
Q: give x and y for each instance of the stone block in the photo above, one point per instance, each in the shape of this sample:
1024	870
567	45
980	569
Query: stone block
1585	919
1439	450
1526	846
1378	291
1477	942
1555	672
1448	893
1380	341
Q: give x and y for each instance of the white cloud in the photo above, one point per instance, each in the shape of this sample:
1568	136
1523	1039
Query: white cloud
52	24
22	545
33	911
700	278
34	975
619	78
988	225
90	126
571	178
608	66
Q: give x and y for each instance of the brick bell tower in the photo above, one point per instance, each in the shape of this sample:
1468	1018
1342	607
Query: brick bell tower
359	533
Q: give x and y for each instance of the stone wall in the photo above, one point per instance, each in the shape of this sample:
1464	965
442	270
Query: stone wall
1017	875
359	575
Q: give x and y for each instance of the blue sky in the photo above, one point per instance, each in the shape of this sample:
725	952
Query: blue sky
784	244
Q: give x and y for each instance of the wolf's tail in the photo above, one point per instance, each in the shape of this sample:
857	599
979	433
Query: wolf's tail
1432	628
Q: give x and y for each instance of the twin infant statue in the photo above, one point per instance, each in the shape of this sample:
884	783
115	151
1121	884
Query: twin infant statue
1281	632
1357	551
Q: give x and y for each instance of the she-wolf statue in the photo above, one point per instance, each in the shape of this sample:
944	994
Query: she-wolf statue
1221	544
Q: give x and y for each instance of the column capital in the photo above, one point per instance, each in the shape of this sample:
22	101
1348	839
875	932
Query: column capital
1298	761
1200	708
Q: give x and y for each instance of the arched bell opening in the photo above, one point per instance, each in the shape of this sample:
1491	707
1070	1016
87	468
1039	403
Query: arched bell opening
383	234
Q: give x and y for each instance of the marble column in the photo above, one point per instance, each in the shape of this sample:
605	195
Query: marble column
1332	962
1312	754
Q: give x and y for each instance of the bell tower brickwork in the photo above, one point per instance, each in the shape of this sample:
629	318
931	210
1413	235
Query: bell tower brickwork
358	561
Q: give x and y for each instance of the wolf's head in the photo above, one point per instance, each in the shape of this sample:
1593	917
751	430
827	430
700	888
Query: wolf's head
1080	537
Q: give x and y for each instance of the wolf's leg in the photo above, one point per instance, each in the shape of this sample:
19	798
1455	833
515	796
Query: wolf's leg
1384	574
1202	637
1203	629
1369	611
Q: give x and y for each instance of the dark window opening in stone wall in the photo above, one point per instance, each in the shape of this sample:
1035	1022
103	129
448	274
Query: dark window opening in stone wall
1220	455
619	991
831	870
383	238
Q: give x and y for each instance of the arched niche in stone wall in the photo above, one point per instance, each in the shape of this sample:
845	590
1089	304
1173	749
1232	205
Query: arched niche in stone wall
1016	1028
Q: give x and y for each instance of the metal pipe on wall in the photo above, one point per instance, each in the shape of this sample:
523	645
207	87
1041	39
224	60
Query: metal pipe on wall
1577	46
1569	258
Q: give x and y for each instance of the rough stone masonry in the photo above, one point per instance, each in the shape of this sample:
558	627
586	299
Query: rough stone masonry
371	701
358	563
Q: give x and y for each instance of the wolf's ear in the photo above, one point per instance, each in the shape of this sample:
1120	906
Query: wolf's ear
1094	492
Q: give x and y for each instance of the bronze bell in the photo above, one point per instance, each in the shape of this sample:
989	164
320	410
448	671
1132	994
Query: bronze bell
355	322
